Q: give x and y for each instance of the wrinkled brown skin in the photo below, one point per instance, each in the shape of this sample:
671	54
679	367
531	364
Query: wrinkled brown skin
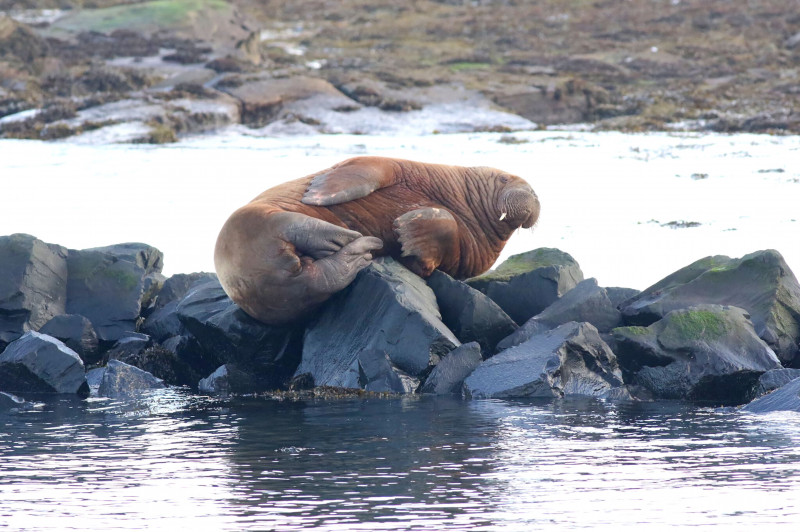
281	255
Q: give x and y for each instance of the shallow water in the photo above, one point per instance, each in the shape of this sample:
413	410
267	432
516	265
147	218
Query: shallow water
176	461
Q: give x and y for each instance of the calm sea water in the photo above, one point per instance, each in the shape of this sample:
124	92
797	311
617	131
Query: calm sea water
176	461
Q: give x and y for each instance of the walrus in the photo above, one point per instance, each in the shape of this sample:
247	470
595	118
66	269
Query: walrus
292	247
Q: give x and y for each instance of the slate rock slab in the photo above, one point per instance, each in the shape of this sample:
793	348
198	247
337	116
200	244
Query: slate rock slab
33	284
787	397
774	379
77	333
110	286
163	321
381	333
228	379
587	302
121	380
761	283
226	334
569	360
449	374
37	363
526	284
12	403
705	352
471	315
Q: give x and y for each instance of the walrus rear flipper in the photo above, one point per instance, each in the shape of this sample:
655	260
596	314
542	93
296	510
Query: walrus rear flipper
350	180
428	236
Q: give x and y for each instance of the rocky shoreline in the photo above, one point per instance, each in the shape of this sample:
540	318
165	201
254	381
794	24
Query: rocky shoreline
132	71
105	322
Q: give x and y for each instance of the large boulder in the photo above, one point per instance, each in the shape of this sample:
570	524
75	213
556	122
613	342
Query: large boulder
761	283
228	379
226	334
449	374
382	333
569	360
33	284
787	397
161	361
526	284
471	315
110	285
163	322
77	333
772	380
706	352
37	363
121	380
587	302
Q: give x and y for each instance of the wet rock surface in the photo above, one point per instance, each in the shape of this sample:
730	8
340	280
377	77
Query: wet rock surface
787	397
705	352
354	341
636	66
761	283
569	360
40	363
392	333
525	284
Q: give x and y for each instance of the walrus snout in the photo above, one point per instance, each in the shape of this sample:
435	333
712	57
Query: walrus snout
520	206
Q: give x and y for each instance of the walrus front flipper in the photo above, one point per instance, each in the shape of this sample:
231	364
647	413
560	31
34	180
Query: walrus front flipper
428	236
350	180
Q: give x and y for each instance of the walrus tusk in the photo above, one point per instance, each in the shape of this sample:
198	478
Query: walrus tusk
502	216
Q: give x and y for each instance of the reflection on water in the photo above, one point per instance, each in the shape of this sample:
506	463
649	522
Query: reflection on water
175	461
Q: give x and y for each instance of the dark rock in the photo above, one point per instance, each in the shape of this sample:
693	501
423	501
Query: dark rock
226	334
449	374
586	302
772	380
381	333
121	380
163	363
228	379
77	333
761	283
471	315
176	287
526	284
787	397
618	295
33	284
108	286
128	347
532	327
569	360
163	322
37	363
706	352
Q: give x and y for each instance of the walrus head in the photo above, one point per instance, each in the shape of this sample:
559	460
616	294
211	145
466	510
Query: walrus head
515	203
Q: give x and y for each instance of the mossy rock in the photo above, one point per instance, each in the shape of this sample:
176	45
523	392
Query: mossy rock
527	283
706	352
761	283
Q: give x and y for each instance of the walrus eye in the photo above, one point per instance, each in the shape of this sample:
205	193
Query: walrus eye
503	179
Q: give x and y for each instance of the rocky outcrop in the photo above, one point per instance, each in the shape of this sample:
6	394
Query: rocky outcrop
37	363
787	397
772	380
121	380
761	283
448	376
705	352
228	379
569	360
77	333
225	334
469	314
33	284
526	284
382	333
111	285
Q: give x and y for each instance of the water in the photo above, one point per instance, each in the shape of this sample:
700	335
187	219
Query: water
176	461
605	196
